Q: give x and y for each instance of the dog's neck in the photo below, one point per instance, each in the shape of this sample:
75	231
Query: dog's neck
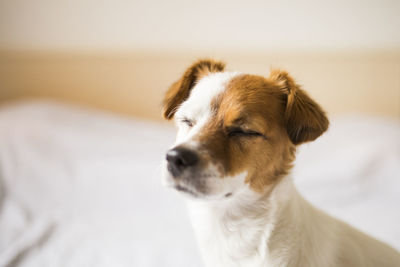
249	229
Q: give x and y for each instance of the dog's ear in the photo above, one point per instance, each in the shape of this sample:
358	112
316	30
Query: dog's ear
304	118
180	90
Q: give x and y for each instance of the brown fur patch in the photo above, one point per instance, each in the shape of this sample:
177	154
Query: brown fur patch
256	104
305	120
179	91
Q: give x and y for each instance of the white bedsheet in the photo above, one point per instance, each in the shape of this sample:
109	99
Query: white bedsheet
82	188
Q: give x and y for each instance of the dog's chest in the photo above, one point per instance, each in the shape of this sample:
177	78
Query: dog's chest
227	241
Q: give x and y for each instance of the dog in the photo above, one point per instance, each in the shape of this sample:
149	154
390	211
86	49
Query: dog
235	146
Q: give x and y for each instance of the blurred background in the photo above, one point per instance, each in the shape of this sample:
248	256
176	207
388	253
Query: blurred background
81	137
122	55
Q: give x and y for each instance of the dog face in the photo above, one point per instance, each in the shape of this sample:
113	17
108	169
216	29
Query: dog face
236	132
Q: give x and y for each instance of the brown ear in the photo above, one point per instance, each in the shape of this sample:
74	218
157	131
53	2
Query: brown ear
304	118
180	90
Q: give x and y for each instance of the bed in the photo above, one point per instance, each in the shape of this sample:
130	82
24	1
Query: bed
81	187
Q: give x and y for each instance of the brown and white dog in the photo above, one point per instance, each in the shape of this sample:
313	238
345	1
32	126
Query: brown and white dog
234	150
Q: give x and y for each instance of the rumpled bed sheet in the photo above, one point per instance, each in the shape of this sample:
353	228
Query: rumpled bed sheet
80	187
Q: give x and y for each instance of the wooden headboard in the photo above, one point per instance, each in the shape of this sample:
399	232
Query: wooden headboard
133	83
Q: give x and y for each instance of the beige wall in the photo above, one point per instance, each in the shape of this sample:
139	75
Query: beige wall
133	83
205	24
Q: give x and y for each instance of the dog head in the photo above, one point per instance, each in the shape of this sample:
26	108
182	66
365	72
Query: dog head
235	131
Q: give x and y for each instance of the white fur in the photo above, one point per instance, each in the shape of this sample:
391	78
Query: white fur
226	236
198	106
275	229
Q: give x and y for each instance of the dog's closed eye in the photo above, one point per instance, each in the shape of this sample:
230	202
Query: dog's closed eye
187	121
239	132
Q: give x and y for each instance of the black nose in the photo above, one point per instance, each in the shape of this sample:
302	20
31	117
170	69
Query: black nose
179	159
